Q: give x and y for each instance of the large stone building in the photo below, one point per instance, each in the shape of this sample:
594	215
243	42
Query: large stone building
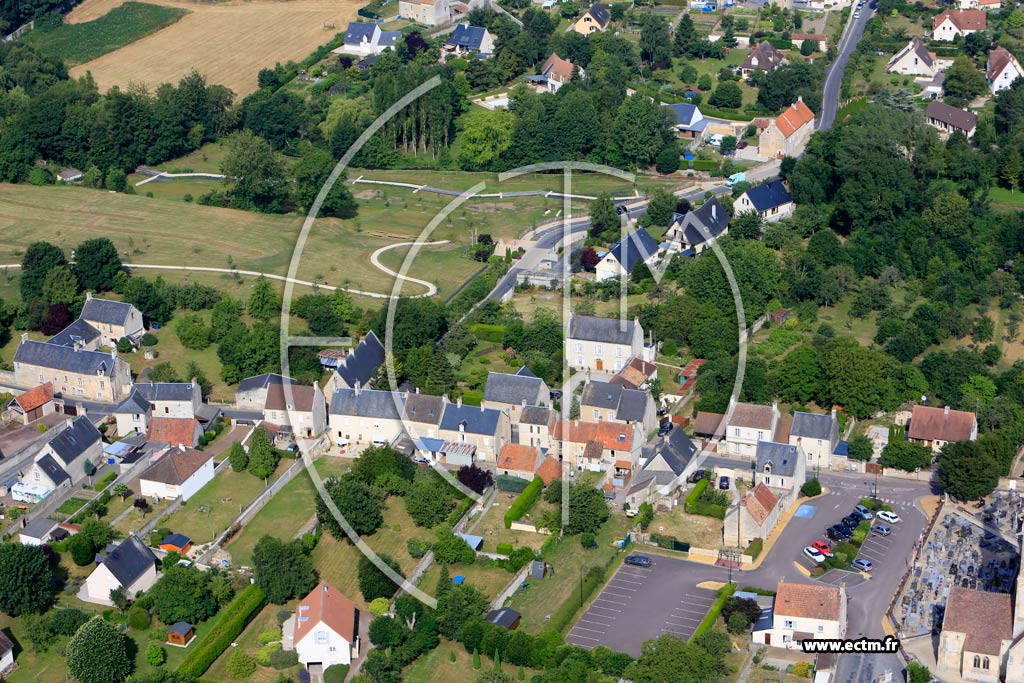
788	133
74	371
114	320
977	632
603	345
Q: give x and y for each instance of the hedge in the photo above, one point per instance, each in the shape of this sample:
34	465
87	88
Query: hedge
709	165
489	333
506	482
526	500
755	547
105	480
695	506
231	624
781	44
459	511
716	609
561	617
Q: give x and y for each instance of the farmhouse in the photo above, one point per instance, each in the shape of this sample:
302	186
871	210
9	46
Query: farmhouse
621	259
693	232
325	628
788	132
426	12
771	201
296	409
952	23
748	425
359	366
594	19
178	473
949	119
130	565
605	401
935	427
913	60
72	370
762	57
690	124
512	393
252	391
469	40
603	344
114	319
801	612
555	73
362	417
1002	69
34	403
755	516
366	39
62	460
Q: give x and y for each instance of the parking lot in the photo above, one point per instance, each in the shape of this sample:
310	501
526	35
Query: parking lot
640	604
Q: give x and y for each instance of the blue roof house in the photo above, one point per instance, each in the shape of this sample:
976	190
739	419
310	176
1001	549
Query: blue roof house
632	249
771	201
466	39
689	122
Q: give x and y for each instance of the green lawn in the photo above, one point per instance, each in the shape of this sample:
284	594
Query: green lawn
437	666
248	642
1006	199
489	581
286	513
123	25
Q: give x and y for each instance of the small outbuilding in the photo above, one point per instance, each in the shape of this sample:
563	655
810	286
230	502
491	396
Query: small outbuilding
176	543
506	618
181	634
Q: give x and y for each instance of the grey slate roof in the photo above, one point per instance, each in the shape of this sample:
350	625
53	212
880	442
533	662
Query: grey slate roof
105	311
473	419
504	617
600	14
628	404
711	214
129	560
632	405
605	330
75	440
64	358
813	426
633	248
781	456
182	628
684	113
40	528
535	415
525	372
78	330
677	451
512	389
135	404
357	31
424	409
769	196
166	391
467	37
263	381
366	403
54	471
364	360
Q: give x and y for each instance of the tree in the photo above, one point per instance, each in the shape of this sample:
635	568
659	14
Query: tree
263	302
119	598
807	47
728	145
963	81
60	286
155	654
96	264
255	177
427	502
26	580
457	606
39	259
667	161
377	461
386	632
716	643
486	134
310	175
669	658
966	471
604	221
798	376
661	206
238	458
374	583
811	488
193	333
450	549
355	503
861	448
183	594
643	128
737	623
906	455
263	457
727	95
747	225
655	47
587	510
918	673
283	570
98	653
475	478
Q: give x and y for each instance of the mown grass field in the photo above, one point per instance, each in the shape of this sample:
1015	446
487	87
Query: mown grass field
123	25
489	581
248	642
437	666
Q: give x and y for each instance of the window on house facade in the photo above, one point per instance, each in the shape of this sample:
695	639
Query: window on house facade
984	663
977	662
598	350
579	348
787	623
597	414
821	628
321	637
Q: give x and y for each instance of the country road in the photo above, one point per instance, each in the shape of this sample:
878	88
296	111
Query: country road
834	73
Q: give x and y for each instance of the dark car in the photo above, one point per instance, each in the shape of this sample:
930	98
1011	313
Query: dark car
697	476
851	521
555	394
838	533
742	145
662	411
665	428
620	209
292	448
723	483
638	561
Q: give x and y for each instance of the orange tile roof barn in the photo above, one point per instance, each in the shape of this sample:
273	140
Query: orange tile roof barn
985	617
173	430
327	605
796	116
35	397
940	424
809	601
760	503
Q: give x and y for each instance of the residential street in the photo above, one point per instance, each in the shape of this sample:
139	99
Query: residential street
834	72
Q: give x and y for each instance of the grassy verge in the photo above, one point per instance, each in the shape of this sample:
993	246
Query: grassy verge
123	25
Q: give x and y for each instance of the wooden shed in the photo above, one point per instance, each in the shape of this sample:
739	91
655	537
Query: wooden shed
181	634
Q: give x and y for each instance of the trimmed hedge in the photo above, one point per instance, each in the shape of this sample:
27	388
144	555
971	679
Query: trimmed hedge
755	548
524	502
695	506
104	481
562	617
709	165
716	609
486	332
506	482
459	511
232	622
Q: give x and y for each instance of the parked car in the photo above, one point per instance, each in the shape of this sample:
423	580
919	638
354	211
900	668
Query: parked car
723	483
851	521
863	565
890	517
843	532
812	554
665	428
422	461
555	394
632	512
823	548
862	512
697	476
881	530
662	411
638	561
292	448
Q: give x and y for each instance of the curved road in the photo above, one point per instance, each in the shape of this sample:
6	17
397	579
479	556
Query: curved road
834	73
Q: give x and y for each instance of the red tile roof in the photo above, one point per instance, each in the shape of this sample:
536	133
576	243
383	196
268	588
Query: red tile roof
998	59
610	435
176	466
760	503
325	604
809	601
940	424
173	430
709	423
518	457
986	618
751	416
796	116
561	69
299	397
963	19
35	397
550	470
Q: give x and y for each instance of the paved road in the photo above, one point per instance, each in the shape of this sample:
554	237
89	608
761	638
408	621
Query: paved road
834	73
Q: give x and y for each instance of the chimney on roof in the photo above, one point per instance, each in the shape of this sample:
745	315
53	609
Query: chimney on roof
945	410
88	296
181	447
357	387
458	401
24	337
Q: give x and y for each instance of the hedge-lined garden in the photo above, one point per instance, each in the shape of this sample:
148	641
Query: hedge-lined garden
524	502
711	617
702	501
232	622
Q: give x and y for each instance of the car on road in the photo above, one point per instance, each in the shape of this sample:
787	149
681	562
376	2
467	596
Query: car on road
863	565
812	553
851	521
881	530
697	476
555	394
862	512
823	548
292	448
422	461
890	517
638	561
665	428
723	483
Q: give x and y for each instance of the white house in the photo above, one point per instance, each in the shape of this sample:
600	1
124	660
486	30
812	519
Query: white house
771	201
555	73
61	462
816	437
985	5
130	565
952	23
604	344
748	425
1002	69
513	393
365	39
636	247
6	655
694	231
689	122
324	628
801	612
913	60
179	472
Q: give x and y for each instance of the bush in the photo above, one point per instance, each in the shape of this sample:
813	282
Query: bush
504	549
646	516
283	660
724	593
336	673
232	622
138	619
737	623
526	500
802	669
379	606
241	665
271	636
588	540
262	655
505	482
696	506
417	547
755	547
148	339
155	654
105	481
811	488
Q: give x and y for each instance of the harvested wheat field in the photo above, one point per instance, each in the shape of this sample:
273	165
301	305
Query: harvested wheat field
228	42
